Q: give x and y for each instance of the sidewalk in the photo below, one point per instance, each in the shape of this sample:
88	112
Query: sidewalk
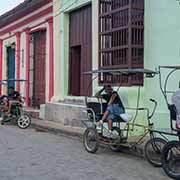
60	129
56	128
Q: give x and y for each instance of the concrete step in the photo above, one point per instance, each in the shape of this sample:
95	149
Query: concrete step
34	113
65	113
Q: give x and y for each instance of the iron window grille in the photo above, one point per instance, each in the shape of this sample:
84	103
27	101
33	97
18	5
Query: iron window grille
121	39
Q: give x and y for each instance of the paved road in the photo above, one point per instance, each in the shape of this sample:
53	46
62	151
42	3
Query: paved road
31	155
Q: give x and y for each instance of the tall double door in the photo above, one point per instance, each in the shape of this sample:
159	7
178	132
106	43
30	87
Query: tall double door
80	52
38	68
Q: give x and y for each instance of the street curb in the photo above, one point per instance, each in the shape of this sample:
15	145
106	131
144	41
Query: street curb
57	128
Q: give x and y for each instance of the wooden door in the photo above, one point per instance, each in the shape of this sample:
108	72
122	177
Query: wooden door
80	48
39	67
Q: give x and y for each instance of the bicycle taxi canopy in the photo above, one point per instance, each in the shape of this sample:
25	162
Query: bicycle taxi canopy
123	71
5	81
16	80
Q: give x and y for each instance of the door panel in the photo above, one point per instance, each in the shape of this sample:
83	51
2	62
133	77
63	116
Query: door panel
39	67
11	66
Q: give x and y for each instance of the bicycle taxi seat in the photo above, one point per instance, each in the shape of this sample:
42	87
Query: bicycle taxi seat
96	110
16	104
173	114
118	119
172	109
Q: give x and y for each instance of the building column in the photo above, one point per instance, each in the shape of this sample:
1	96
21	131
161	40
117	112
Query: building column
18	55
51	58
27	65
1	55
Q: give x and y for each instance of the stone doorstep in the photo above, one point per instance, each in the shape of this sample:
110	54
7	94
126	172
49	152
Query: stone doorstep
63	113
59	128
34	113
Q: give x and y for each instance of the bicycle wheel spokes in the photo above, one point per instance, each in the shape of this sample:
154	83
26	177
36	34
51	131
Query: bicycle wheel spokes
24	121
90	140
153	149
171	159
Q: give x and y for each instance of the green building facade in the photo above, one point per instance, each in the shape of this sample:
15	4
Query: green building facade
161	47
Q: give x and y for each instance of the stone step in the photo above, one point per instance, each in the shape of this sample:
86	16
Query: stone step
34	113
65	113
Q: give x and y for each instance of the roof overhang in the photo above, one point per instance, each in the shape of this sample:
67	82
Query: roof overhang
21	10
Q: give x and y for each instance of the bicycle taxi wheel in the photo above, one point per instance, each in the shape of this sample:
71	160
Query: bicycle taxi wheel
23	121
90	140
153	149
171	159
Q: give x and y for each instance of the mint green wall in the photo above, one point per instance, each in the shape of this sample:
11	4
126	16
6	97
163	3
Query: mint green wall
162	47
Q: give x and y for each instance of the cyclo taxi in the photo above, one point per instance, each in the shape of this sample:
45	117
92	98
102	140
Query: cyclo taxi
11	107
170	155
94	136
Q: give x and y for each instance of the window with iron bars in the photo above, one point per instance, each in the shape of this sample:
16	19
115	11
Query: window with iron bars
121	39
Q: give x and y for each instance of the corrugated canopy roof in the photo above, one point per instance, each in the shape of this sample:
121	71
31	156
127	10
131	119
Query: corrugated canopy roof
125	71
4	82
170	67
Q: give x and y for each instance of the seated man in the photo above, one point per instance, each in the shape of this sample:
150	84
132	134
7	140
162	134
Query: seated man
115	106
3	103
13	97
176	102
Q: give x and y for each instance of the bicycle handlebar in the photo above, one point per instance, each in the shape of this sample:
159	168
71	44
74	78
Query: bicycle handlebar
154	109
152	100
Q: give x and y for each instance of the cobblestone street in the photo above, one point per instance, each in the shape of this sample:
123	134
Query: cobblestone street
31	155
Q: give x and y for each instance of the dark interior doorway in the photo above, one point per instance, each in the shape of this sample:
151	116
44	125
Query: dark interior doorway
75	71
